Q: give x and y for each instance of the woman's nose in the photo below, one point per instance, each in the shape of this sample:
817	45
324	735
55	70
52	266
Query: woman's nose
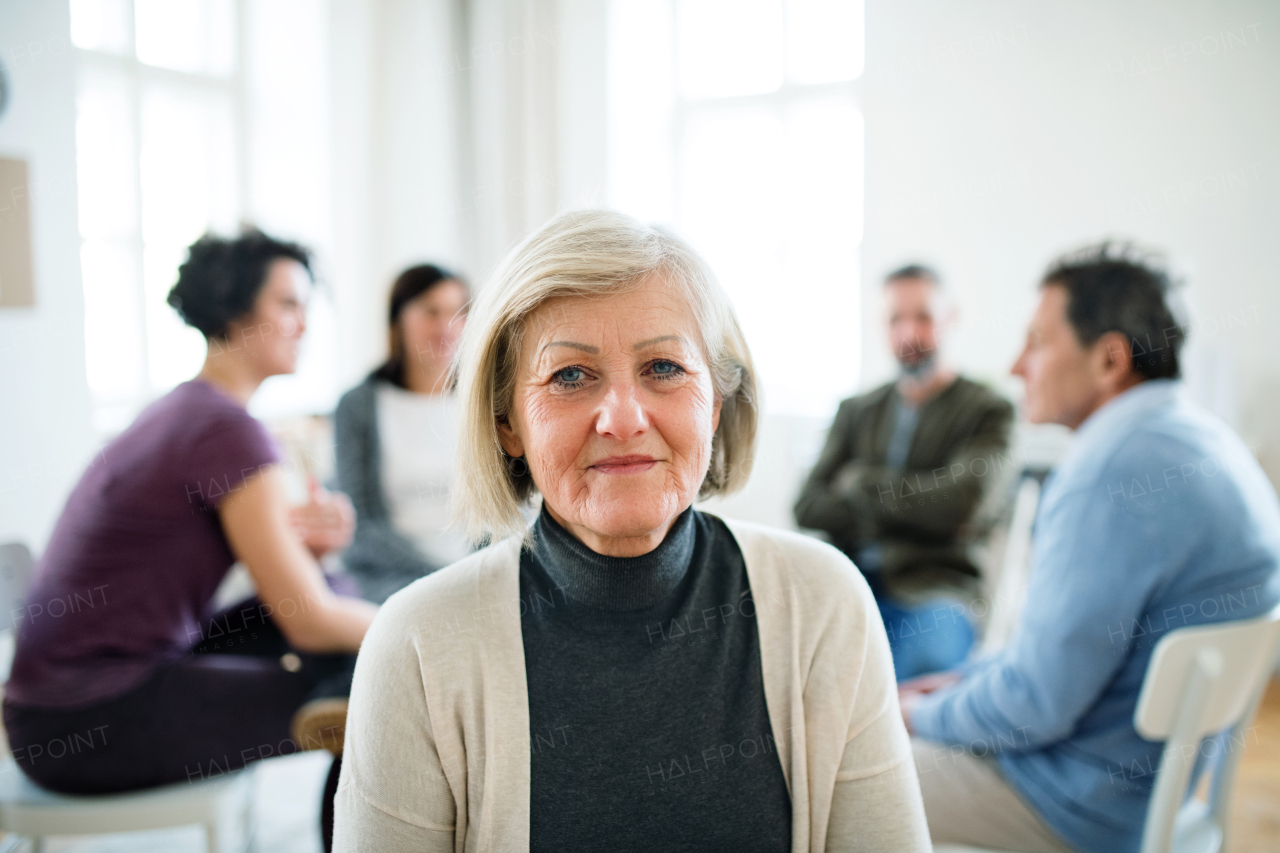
622	415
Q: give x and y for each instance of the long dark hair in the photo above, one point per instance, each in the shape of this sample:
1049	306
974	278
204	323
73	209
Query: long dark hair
408	286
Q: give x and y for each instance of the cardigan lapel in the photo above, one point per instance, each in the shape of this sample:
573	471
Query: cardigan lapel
779	659
501	771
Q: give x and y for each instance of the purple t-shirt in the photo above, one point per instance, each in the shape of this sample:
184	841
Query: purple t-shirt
138	553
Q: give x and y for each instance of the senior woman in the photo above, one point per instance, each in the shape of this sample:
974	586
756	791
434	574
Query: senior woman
629	673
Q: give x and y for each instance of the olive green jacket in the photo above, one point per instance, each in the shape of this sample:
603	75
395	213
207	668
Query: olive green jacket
923	516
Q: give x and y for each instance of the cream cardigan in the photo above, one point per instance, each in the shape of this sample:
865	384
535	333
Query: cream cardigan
437	746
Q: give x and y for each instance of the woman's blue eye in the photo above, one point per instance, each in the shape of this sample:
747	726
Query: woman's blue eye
570	376
666	369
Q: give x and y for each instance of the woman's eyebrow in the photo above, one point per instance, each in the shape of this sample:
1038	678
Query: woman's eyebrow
657	340
584	347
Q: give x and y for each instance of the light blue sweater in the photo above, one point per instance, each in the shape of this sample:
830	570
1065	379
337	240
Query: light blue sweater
1158	518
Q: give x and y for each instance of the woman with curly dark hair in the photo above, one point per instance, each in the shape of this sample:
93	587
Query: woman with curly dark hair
167	690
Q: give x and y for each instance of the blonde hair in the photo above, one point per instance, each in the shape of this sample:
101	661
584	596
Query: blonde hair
590	253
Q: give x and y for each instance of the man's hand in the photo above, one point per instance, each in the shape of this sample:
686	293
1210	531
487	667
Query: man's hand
325	523
909	692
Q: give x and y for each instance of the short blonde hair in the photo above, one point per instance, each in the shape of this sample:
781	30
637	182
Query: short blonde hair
590	253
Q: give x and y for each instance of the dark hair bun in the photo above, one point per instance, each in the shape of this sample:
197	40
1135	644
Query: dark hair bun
221	277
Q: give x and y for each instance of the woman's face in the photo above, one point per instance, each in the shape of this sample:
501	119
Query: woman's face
431	323
271	333
614	412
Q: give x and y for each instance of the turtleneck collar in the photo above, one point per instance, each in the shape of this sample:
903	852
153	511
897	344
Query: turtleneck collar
614	583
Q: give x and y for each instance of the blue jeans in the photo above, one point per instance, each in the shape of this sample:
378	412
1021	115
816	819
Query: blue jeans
930	637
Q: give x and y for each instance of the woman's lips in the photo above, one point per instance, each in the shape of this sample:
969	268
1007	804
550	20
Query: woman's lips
625	464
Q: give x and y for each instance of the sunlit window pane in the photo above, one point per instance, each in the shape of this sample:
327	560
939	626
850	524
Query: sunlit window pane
106	155
188	176
824	40
196	36
731	186
769	189
175	351
641	82
822	224
112	320
288	118
824	174
288	182
105	25
731	179
729	47
188	166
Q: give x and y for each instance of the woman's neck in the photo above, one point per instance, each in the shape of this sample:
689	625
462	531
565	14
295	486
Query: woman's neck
234	378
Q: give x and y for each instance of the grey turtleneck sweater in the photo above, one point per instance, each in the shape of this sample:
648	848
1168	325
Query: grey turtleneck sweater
647	720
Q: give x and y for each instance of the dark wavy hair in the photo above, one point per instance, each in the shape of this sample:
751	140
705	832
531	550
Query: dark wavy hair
408	286
221	277
1115	287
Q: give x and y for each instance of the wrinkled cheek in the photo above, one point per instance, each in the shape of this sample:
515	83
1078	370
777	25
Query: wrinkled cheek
553	440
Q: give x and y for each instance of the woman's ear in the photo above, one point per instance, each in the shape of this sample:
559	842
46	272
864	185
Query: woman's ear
509	438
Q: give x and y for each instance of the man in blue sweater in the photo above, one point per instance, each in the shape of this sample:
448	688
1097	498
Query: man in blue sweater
1158	518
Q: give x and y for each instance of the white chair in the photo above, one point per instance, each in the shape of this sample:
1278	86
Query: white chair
223	805
1010	591
1201	680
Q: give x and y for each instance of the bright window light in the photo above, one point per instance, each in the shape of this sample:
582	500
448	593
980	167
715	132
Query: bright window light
195	36
187	164
641	79
113	327
729	47
106	157
762	172
104	25
163	158
824	40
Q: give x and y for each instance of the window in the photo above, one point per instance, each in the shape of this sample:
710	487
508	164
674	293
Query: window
737	121
182	110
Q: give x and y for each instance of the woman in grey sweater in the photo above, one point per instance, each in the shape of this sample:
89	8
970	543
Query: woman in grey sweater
395	439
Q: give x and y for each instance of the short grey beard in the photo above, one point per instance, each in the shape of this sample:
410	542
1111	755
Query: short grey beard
922	369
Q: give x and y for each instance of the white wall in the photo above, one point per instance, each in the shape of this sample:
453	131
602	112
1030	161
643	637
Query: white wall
45	439
398	158
1000	133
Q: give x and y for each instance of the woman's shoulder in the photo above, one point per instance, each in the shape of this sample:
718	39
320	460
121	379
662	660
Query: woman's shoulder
808	568
361	396
200	424
460	600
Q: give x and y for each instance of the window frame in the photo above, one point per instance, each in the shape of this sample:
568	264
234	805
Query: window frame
109	415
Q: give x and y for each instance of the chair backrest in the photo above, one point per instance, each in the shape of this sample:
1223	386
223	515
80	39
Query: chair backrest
1200	680
16	569
1010	591
1243	653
